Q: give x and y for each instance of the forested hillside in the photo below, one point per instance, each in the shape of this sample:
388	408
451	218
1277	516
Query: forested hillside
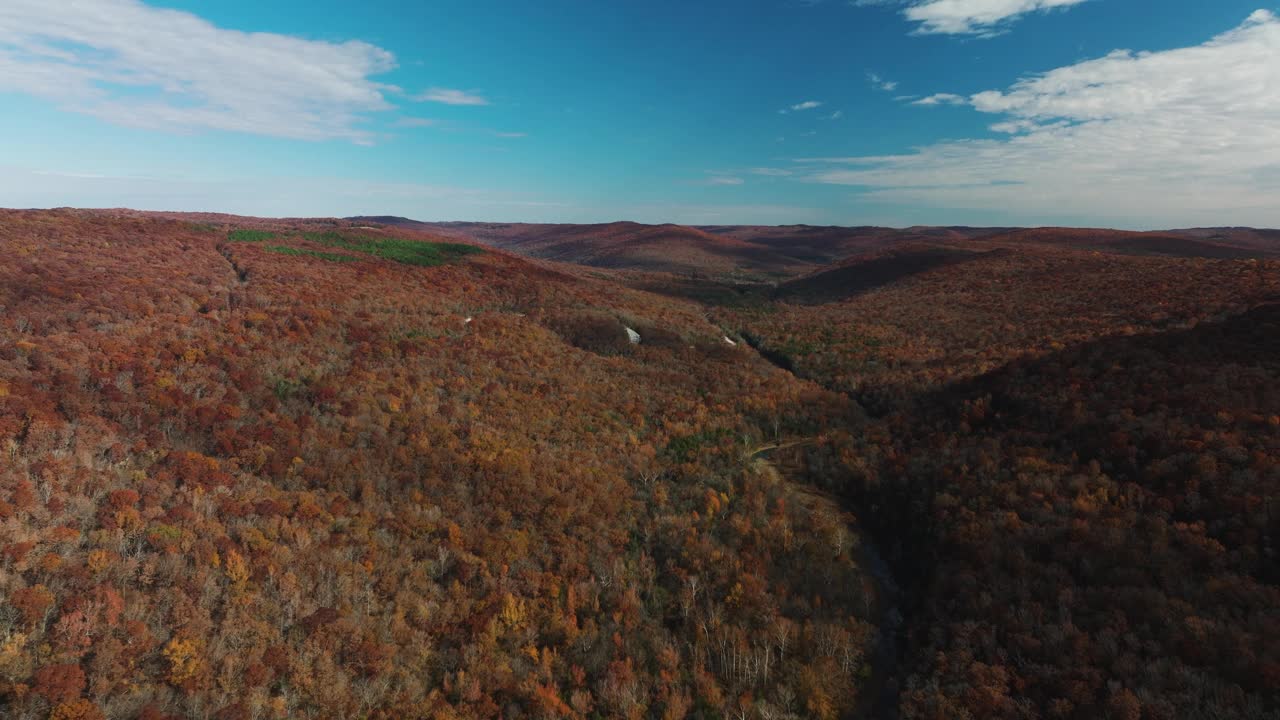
307	471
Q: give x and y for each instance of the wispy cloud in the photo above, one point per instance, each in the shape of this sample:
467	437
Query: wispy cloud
880	83
1186	135
834	116
801	107
723	180
132	64
968	17
510	135
941	99
451	97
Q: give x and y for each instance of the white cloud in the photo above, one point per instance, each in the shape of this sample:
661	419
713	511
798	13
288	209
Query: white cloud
1015	126
1184	135
132	64
770	172
941	99
725	181
955	17
451	97
834	116
969	17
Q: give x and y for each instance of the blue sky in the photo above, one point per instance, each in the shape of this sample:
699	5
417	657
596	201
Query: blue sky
1125	113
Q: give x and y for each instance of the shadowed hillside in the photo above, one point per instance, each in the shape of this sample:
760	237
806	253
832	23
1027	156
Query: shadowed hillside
1095	532
1073	475
861	274
826	244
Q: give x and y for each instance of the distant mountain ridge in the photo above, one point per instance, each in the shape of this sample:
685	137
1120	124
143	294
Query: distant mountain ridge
760	252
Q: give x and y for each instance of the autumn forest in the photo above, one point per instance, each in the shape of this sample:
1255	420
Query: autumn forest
260	469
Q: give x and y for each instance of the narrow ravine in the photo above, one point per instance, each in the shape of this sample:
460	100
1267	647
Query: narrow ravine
241	275
878	697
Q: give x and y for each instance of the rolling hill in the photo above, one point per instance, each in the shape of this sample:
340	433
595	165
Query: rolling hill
625	246
727	252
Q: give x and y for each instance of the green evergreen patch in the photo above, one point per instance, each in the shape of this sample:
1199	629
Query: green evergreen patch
250	235
407	252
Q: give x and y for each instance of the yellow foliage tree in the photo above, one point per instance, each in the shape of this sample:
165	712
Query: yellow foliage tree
236	568
184	659
76	710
